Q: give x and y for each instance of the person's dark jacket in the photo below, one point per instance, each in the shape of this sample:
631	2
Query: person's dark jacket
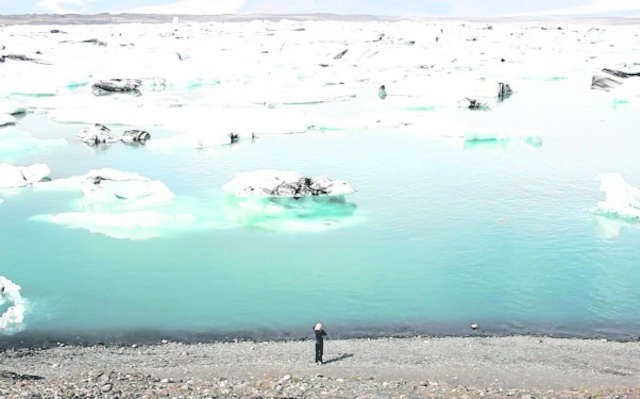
320	334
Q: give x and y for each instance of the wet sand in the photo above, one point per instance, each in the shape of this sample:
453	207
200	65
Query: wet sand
368	368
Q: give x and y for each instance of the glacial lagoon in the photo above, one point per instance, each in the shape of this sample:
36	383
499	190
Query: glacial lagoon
459	216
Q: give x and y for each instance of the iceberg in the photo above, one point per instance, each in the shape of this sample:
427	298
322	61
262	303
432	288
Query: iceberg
275	183
621	199
104	87
118	204
112	188
135	137
12	319
21	176
605	80
95	135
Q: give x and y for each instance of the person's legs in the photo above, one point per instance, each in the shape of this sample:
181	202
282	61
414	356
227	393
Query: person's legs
321	351
318	352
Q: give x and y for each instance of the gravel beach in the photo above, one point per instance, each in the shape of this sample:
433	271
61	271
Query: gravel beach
521	367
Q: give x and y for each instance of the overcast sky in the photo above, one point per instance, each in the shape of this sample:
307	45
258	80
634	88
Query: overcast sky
460	8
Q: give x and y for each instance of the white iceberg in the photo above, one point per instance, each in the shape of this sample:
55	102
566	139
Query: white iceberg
118	204
12	319
21	176
276	183
621	198
112	188
97	134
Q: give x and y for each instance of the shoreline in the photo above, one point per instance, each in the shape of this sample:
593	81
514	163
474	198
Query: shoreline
48	340
385	367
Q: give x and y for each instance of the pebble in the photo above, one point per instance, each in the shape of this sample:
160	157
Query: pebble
106	388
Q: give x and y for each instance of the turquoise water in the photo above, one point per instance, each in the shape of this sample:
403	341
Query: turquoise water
497	232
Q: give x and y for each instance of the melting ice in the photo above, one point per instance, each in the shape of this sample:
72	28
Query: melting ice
12	319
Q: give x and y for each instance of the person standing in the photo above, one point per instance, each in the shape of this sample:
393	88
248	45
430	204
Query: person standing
320	333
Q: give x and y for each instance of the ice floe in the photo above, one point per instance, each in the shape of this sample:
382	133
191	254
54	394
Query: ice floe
135	136
111	188
276	183
95	135
12	319
609	79
104	87
21	176
118	204
621	199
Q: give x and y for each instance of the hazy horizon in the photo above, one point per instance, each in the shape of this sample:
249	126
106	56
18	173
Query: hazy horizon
409	8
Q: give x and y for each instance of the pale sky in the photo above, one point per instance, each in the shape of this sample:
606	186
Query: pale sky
459	8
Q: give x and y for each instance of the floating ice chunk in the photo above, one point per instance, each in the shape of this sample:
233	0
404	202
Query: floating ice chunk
605	80
96	134
620	74
20	57
275	183
135	136
605	83
118	204
7	120
621	199
21	176
104	87
12	320
476	105
113	188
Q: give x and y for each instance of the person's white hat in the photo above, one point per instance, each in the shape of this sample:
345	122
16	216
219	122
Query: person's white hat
318	327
